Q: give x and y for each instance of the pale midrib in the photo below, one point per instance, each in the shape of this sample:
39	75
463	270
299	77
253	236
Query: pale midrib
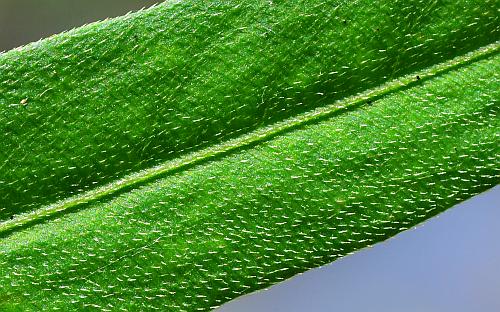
248	139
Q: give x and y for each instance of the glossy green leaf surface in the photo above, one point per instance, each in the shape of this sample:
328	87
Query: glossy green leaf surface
178	157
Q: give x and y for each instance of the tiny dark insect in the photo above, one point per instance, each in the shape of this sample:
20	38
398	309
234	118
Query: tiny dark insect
418	77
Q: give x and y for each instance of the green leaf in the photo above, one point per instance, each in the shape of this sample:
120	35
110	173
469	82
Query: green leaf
180	156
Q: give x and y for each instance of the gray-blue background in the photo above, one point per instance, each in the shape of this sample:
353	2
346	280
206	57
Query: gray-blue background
451	263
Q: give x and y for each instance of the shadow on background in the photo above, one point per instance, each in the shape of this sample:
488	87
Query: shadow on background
24	21
450	263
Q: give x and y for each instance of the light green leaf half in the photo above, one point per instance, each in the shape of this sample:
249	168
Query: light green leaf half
175	158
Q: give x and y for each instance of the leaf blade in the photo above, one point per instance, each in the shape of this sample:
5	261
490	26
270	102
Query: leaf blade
295	199
190	240
182	76
250	139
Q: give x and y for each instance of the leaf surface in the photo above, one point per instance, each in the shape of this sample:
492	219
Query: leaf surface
180	156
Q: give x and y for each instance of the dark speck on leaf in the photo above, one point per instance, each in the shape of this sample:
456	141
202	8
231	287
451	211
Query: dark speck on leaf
418	77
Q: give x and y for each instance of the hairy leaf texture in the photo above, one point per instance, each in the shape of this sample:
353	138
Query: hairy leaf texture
175	158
